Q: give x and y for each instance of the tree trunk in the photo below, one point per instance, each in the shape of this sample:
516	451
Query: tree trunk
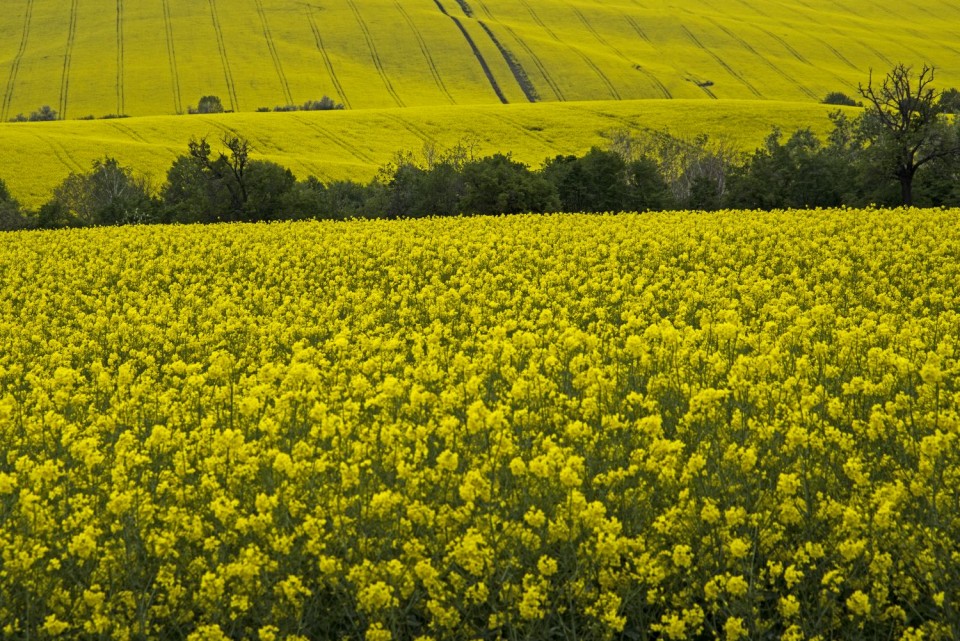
905	175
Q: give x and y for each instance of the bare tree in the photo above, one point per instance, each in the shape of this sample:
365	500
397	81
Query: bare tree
904	123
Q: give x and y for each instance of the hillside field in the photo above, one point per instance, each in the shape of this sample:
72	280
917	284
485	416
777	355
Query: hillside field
152	57
659	426
353	144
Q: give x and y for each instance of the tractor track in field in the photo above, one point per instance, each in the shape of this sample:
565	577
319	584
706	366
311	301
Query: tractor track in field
636	27
465	7
786	45
172	58
476	53
374	55
60	153
606	43
425	50
801	58
318	38
879	54
586	59
704	86
68	58
271	45
258	143
720	61
838	54
646	38
486	10
525	130
317	172
754	7
777	70
121	107
554	87
336	140
914	6
221	45
519	73
413	129
654	80
15	64
129	132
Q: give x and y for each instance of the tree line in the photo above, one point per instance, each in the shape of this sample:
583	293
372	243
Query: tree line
902	149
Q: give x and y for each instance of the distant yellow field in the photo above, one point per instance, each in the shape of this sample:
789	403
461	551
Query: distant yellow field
152	57
353	144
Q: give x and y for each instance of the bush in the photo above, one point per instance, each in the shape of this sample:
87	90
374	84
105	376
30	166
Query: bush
324	104
840	98
950	101
43	114
208	105
11	216
110	194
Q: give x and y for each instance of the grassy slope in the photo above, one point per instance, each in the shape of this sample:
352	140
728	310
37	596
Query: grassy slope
353	144
150	57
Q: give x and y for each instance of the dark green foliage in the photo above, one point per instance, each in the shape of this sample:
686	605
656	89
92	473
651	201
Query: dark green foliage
904	126
324	104
267	185
499	185
950	101
648	191
225	187
109	194
603	181
43	114
797	173
901	135
841	99
208	105
11	217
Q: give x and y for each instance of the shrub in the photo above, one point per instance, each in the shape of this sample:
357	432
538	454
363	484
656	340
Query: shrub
208	105
840	98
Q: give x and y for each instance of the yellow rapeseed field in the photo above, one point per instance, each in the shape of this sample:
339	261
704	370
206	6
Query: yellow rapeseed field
667	426
153	57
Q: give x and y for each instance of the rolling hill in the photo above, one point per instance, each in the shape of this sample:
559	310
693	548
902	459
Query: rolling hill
354	144
152	57
416	71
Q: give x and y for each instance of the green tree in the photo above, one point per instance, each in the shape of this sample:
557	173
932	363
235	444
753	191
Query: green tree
904	125
208	105
203	186
268	185
648	191
11	216
839	98
800	172
500	185
110	194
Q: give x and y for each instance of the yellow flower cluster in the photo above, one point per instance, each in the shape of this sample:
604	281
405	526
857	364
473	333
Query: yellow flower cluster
678	426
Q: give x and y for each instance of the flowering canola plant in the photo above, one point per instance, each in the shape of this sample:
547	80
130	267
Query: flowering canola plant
661	426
